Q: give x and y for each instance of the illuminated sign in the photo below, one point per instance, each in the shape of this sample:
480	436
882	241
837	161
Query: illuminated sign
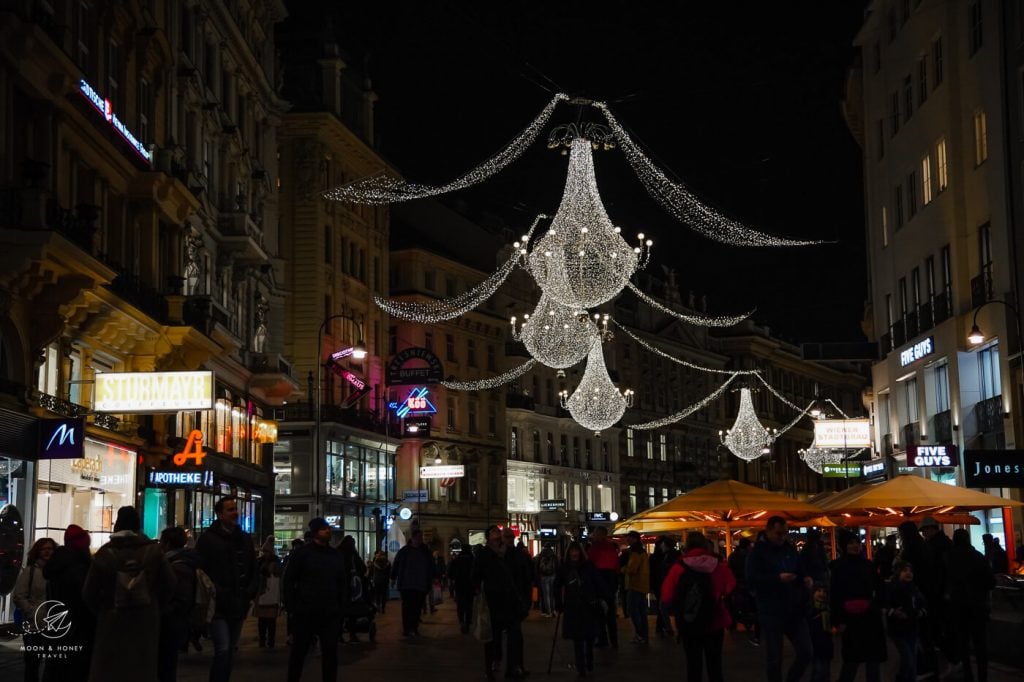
106	108
552	505
994	468
354	380
161	479
841	470
62	438
873	468
917	351
150	392
599	517
416	427
406	368
926	456
405	513
443	471
343	353
548	531
842	433
415	404
193	450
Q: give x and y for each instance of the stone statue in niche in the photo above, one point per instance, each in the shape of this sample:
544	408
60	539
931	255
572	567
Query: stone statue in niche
259	337
193	262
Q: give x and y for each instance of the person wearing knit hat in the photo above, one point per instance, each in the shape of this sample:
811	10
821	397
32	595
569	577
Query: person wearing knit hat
65	576
76	537
318	523
127	519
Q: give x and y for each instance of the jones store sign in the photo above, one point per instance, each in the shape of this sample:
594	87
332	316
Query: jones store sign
927	456
149	392
919	350
994	468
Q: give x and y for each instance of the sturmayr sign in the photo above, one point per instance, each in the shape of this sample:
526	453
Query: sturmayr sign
994	468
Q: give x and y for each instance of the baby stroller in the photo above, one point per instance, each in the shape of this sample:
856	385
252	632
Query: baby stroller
359	614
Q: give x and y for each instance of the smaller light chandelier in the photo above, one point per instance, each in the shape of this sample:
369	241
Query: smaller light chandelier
816	458
596	403
747	439
555	335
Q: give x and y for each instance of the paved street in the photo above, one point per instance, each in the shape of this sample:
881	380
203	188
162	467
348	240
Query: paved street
444	654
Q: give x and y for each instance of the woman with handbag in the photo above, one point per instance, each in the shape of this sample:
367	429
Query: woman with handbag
29	593
268	602
856	601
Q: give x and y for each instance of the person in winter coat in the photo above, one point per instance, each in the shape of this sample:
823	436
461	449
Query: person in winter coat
176	620
638	583
268	599
493	577
914	551
230	560
775	576
128	585
695	589
547	571
969	582
413	573
314	587
857	594
814	560
520	564
885	556
742	604
819	623
65	574
605	556
460	573
937	545
663	558
29	593
380	577
905	607
578	592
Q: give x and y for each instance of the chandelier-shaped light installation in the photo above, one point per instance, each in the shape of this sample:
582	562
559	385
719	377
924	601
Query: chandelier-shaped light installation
583	261
384	189
556	335
816	458
747	439
596	404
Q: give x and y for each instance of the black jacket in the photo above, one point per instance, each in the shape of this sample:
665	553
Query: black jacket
460	572
314	581
65	575
230	561
905	606
493	574
969	578
776	600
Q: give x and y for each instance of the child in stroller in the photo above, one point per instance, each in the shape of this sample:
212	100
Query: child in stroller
358	613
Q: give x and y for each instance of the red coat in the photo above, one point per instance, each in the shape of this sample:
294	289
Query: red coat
604	554
722	583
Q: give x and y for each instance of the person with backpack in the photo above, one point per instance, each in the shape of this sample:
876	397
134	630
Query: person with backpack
268	601
578	593
65	575
695	589
856	599
176	620
547	569
637	572
128	584
229	558
29	593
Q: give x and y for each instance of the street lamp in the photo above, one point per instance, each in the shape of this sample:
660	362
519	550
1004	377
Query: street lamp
359	353
976	336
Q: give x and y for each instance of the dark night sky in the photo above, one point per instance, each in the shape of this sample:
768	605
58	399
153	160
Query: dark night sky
740	100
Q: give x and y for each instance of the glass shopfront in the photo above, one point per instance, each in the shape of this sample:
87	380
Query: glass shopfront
193	508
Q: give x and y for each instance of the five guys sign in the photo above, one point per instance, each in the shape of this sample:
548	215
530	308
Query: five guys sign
928	456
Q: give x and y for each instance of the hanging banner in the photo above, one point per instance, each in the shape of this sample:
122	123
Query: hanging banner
842	433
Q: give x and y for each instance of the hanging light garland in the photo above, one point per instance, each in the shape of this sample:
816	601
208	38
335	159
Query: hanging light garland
679	361
673	418
384	189
493	382
555	335
456	306
583	261
682	204
747	439
596	403
698	320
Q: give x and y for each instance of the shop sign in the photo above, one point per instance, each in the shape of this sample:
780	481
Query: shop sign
333	520
548	531
291	508
842	433
415	404
407	368
418	427
193	450
62	438
928	456
107	109
873	468
88	468
415	496
994	468
358	383
443	471
175	478
841	470
552	505
599	517
150	392
919	350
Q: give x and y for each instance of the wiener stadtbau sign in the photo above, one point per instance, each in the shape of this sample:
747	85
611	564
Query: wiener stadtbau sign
842	433
149	392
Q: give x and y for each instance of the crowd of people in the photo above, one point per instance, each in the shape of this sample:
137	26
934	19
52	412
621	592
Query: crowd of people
136	604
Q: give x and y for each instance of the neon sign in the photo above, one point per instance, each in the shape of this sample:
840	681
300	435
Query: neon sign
415	404
193	450
106	108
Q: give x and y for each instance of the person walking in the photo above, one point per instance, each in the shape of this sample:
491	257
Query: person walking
856	598
521	566
813	559
742	604
819	623
313	586
380	578
229	558
914	551
905	607
65	574
460	573
547	571
996	555
577	593
969	583
885	556
128	585
663	558
605	556
493	577
176	619
436	592
268	599
413	573
774	575
297	543
29	593
637	572
695	589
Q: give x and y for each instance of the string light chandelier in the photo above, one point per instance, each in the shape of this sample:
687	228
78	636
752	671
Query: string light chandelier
816	458
747	439
596	404
583	261
555	335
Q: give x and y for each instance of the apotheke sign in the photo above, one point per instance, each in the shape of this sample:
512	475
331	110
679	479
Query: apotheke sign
150	392
174	479
919	350
927	456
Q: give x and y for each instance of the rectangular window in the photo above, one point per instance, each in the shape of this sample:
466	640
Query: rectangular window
83	34
492	421
451	414
910	392
551	448
114	74
563	450
629	442
915	288
576	452
929	277
908	98
449	348
891	21
937	62
885	226
450	288
328	246
145	107
980	138
663	447
632	499
905	13
912	194
664	494
926	180
894	113
898	206
471	352
888	312
942	388
976	35
428	341
651	502
428	280
876	52
472	416
922	80
881	139
941	167
903	296
650	446
991	384
491	361
392	340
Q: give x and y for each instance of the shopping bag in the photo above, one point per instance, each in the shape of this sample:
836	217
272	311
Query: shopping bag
481	627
